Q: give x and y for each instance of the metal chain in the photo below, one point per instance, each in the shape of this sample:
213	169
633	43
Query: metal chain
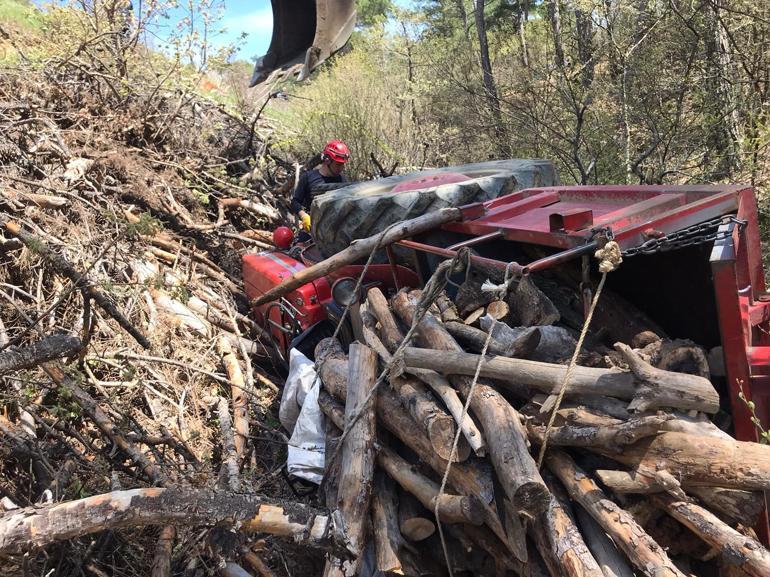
700	233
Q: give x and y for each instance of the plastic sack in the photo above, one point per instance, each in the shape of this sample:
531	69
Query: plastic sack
307	444
302	417
298	385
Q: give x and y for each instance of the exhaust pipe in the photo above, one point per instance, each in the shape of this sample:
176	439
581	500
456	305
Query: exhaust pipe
307	32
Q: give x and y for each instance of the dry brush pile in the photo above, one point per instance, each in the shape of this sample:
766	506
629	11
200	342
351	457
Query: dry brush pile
125	355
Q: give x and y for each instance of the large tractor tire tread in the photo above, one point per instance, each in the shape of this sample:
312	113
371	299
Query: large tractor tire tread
366	208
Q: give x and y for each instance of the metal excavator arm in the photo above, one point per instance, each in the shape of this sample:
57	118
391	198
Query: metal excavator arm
305	30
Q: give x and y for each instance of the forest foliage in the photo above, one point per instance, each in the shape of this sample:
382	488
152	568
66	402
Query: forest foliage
614	91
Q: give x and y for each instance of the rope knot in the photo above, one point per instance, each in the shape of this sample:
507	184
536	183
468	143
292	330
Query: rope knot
609	256
499	291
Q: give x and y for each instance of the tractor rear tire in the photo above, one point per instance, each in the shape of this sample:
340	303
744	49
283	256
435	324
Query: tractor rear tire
364	209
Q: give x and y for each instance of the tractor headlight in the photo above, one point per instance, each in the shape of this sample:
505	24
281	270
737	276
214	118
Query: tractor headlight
344	291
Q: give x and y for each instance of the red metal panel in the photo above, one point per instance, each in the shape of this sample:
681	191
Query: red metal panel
734	323
629	210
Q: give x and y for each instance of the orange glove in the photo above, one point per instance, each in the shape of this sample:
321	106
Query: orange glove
306	222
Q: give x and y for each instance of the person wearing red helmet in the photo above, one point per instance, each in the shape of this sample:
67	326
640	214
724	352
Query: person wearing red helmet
333	158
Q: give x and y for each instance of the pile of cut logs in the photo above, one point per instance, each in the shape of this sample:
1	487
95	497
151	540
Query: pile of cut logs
635	478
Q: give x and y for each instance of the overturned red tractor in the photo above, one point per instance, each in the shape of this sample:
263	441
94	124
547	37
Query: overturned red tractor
692	266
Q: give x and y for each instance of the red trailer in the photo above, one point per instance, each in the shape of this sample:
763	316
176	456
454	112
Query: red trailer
692	262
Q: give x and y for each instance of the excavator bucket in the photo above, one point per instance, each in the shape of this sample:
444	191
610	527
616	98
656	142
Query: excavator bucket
307	31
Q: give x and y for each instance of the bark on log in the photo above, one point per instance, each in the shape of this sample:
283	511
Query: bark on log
638	546
466	479
29	529
610	561
701	461
390	333
47	349
678	391
657	382
161	563
238	394
444	390
439	426
475	338
683	356
612	437
731	505
40	200
361	248
256	208
447	308
452	508
530	306
229	454
387	535
463	478
358	452
700	425
734	505
504	432
559	541
738	549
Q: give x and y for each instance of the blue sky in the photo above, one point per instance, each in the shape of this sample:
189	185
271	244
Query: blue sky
255	17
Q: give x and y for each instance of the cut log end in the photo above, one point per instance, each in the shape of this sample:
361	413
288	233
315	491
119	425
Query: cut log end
417	528
532	498
441	432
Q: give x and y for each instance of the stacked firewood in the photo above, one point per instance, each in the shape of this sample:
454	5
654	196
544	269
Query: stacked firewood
635	478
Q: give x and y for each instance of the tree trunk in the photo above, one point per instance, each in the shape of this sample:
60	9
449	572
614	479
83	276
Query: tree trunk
440	426
640	548
361	249
701	461
358	451
490	88
504	432
736	506
238	393
559	541
47	349
475	338
453	508
442	387
229	454
677	390
612	437
463	478
738	549
387	536
554	16
610	561
161	564
28	529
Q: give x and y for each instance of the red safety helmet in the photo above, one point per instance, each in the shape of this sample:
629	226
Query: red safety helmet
282	237
337	151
